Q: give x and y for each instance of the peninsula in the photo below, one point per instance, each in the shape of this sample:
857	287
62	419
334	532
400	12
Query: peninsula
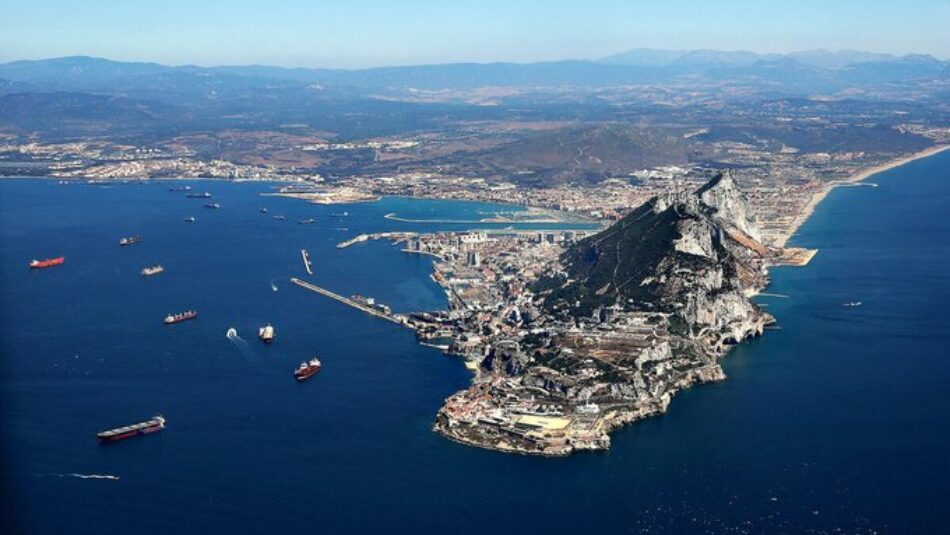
571	337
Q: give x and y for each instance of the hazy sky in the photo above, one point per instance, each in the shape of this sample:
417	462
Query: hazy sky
359	33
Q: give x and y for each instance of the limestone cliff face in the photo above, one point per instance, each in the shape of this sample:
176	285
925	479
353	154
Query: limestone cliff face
696	255
728	205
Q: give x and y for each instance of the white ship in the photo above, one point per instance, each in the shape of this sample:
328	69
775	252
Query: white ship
266	333
152	270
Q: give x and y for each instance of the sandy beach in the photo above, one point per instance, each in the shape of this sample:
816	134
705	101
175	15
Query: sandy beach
857	177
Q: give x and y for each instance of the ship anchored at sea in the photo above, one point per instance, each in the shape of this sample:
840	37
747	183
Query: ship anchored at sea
49	262
307	369
177	318
152	270
157	423
266	333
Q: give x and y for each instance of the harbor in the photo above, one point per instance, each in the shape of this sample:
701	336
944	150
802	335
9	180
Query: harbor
367	308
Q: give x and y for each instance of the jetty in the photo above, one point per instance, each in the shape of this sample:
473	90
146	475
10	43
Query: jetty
395	318
395	236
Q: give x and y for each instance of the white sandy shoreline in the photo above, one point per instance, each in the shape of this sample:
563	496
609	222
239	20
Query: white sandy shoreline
864	174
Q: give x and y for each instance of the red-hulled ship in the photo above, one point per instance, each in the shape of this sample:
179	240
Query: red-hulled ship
157	423
175	318
49	262
307	369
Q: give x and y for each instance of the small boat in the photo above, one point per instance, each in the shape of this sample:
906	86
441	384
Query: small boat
852	304
213	205
129	241
280	217
344	214
184	316
190	219
204	195
307	369
232	333
266	333
263	210
49	262
306	221
180	188
152	270
157	423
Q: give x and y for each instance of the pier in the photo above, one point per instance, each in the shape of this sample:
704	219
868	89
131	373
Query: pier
306	261
397	236
395	318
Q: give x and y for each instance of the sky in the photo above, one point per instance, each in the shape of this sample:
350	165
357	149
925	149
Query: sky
365	33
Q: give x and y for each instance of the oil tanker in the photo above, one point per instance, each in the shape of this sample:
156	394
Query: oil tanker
184	316
49	262
157	423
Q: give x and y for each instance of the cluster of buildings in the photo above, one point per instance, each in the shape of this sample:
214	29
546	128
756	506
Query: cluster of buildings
544	384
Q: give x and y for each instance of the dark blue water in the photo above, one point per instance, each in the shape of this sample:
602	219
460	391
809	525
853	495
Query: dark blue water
836	422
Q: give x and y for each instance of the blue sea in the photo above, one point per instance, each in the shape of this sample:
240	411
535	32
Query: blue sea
837	421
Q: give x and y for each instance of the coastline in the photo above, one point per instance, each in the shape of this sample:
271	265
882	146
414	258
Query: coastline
860	176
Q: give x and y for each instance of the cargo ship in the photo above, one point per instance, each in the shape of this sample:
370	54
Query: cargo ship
184	316
306	261
204	195
129	241
153	270
213	205
157	423
49	262
307	369
266	333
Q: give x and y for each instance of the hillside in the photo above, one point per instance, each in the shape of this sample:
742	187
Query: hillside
580	155
695	255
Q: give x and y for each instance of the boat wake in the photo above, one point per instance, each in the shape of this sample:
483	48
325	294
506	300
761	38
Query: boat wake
239	343
109	477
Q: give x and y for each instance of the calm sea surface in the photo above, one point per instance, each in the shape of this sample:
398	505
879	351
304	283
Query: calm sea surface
838	421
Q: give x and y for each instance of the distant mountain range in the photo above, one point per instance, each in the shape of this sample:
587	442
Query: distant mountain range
81	97
801	71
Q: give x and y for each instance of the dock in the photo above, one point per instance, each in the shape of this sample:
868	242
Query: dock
306	261
395	236
395	318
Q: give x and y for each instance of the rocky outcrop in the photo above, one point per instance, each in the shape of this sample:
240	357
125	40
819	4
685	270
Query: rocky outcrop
695	254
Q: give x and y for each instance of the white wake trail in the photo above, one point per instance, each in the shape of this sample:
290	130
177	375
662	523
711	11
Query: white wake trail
109	477
239	342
